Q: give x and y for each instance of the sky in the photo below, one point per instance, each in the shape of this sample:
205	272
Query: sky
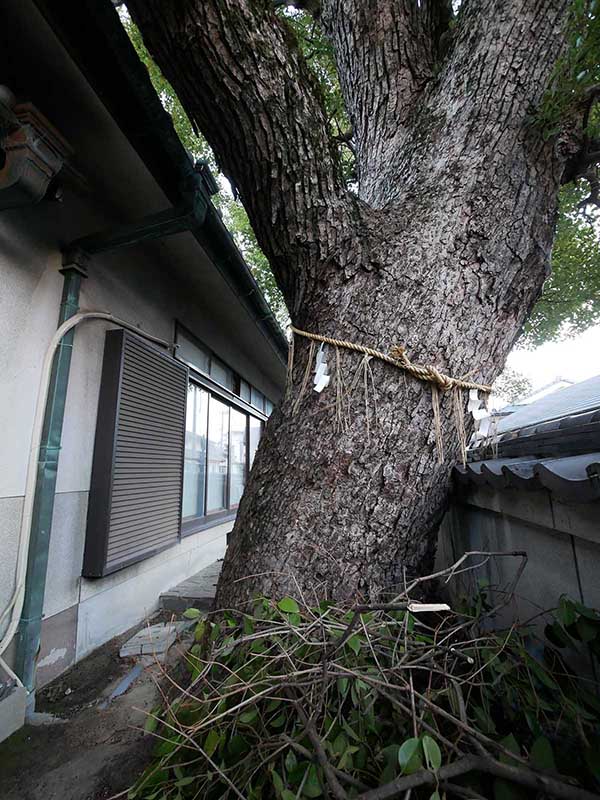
576	359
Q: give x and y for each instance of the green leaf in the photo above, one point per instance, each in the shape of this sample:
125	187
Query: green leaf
185	781
433	754
199	632
566	611
435	796
484	722
238	746
287	795
354	644
290	760
192	613
587	630
511	744
312	786
352	733
151	724
557	635
410	756
586	611
288	605
540	672
277	782
340	743
541	754
212	741
249	716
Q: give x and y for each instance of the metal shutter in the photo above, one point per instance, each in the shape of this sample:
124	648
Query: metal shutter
137	474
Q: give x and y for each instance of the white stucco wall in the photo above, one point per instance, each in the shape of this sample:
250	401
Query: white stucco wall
149	288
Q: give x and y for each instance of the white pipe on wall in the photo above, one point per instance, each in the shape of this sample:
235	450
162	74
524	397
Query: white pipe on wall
15	605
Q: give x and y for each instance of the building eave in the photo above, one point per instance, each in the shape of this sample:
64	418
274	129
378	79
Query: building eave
92	34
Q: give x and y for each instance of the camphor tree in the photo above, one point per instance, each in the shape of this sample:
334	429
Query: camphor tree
463	127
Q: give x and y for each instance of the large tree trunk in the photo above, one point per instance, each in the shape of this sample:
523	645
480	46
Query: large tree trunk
443	250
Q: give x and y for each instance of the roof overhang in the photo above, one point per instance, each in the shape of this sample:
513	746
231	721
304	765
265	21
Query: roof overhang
92	34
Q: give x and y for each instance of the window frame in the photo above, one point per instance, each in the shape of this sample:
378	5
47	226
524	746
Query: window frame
214	385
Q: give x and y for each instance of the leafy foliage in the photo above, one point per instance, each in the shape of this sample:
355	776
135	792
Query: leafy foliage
285	701
318	53
570	301
512	385
577	72
238	222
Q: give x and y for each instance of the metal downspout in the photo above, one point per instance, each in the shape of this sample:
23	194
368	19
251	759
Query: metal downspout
30	625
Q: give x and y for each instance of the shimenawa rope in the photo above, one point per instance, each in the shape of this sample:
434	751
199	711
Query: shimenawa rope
397	358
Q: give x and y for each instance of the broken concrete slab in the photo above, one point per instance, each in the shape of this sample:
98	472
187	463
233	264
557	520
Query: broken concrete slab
12	710
153	640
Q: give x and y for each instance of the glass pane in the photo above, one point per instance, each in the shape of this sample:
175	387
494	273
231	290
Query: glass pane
268	407
221	374
218	456
258	399
195	452
192	353
245	391
239	423
255	432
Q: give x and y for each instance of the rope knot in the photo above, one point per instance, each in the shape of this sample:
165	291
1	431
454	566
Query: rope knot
444	382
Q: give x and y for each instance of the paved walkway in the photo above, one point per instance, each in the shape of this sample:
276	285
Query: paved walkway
197	591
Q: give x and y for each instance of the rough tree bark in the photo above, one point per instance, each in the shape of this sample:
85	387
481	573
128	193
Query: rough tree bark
444	249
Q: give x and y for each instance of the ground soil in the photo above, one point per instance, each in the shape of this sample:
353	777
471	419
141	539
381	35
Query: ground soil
93	751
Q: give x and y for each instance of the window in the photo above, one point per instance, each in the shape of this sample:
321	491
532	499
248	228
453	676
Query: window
238	444
220	443
192	353
258	399
200	358
194	476
255	432
218	456
245	391
221	374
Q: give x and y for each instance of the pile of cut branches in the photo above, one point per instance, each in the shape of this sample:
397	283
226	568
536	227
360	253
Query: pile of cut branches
401	699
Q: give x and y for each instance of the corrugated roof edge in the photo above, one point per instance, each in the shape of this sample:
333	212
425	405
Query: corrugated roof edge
87	28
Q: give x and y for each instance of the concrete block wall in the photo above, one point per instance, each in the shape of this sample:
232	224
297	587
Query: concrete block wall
562	542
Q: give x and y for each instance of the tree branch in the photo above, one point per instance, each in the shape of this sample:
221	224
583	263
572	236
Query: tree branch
244	83
521	775
386	54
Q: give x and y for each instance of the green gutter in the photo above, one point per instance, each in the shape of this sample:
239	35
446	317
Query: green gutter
30	626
